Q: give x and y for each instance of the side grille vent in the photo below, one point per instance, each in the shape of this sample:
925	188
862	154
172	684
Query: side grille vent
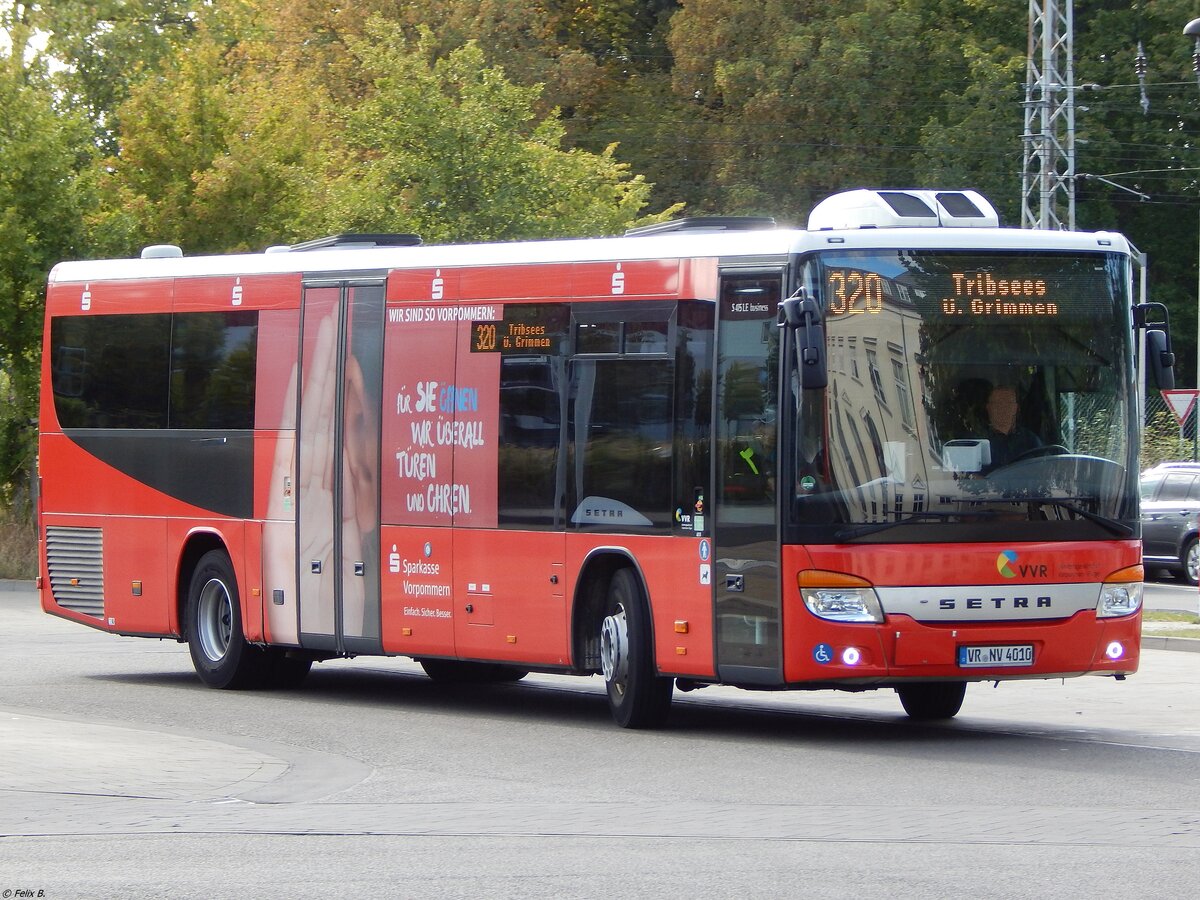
76	561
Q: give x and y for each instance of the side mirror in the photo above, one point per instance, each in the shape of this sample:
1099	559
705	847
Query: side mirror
1160	358
802	314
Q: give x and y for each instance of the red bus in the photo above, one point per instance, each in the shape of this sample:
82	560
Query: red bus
896	449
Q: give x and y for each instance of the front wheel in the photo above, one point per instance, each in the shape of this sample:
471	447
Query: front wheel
220	654
637	696
933	700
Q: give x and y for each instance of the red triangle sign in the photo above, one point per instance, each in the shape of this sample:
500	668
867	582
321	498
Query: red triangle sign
1181	403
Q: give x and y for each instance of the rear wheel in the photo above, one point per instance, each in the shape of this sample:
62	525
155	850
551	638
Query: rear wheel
934	700
637	696
220	654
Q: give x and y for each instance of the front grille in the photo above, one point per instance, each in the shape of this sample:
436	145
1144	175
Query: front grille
75	557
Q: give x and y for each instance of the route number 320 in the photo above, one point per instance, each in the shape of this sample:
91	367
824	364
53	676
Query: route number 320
854	293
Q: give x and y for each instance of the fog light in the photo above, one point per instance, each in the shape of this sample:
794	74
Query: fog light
851	656
1114	650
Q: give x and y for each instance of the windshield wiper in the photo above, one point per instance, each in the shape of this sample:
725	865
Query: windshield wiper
1112	526
927	516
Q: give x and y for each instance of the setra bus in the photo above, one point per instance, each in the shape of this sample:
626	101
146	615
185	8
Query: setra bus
897	449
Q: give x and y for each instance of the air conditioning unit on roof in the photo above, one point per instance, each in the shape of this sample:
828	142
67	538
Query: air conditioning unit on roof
903	209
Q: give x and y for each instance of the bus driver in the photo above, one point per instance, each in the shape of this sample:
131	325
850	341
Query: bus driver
1009	440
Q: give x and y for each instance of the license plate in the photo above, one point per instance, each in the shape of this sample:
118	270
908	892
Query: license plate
986	657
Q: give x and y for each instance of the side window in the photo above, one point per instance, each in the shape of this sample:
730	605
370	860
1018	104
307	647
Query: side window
111	371
1149	487
533	398
1176	487
621	419
621	427
145	371
213	357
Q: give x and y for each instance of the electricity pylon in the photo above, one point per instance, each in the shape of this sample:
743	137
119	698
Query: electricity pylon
1048	175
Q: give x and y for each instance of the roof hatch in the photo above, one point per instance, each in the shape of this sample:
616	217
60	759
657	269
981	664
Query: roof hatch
353	242
695	224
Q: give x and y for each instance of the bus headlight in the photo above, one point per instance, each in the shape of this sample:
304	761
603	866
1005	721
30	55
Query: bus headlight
1121	593
839	597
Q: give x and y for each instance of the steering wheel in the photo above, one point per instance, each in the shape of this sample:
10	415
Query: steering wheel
1042	450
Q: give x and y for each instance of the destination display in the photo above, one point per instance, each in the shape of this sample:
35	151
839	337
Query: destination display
983	294
510	337
991	287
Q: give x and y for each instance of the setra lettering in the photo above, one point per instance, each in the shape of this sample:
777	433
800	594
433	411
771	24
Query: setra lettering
1044	602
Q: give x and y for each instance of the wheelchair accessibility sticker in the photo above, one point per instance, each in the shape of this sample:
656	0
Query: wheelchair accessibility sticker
823	653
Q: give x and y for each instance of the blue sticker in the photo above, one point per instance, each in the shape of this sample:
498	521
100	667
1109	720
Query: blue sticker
823	653
705	550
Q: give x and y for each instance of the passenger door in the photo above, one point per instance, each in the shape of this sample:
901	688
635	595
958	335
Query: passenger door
337	465
746	531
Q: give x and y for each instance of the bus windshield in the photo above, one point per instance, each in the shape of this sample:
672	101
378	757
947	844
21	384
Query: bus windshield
971	396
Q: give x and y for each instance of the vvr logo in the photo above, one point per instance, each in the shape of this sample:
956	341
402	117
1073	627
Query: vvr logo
1006	565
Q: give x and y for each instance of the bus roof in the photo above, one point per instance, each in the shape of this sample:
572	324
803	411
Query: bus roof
727	246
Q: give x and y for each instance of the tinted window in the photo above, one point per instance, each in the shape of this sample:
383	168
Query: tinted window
532	397
121	371
212	370
621	426
111	371
598	337
1175	487
1148	486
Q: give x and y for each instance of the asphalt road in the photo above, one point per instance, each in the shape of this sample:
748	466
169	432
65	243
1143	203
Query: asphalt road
1164	592
121	776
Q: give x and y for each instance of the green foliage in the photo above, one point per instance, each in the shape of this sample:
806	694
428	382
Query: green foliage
242	123
41	204
112	45
18	545
1162	440
451	149
236	146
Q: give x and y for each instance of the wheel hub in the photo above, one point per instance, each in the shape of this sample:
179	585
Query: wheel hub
614	648
215	620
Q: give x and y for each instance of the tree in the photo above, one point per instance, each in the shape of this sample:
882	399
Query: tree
451	149
805	99
42	150
109	46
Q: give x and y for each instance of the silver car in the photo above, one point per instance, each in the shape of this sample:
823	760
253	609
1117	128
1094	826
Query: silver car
1170	511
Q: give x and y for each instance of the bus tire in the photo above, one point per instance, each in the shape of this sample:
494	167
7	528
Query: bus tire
220	654
638	697
933	700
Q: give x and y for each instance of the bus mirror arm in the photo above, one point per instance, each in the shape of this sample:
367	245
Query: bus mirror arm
801	314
